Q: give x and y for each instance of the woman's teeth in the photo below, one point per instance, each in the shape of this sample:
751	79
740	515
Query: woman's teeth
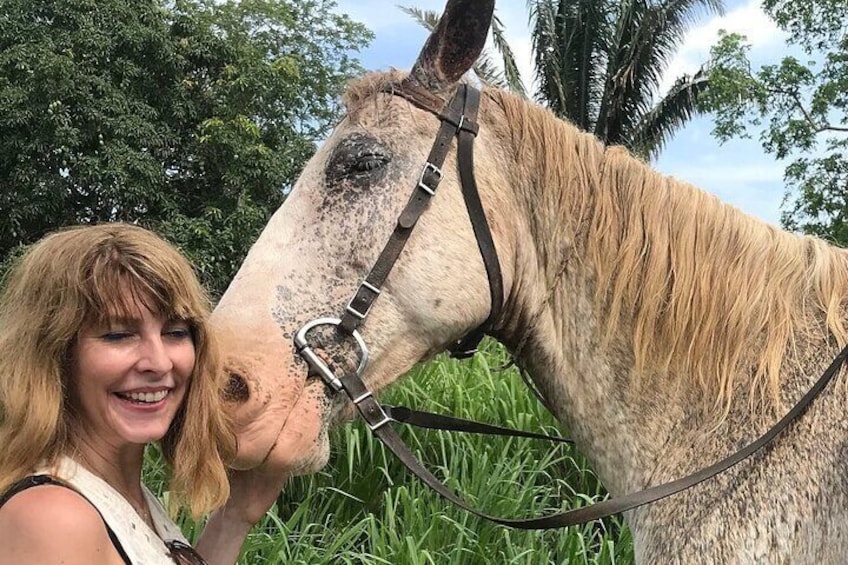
148	397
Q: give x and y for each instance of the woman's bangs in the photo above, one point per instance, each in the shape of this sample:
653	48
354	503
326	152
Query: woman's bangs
112	294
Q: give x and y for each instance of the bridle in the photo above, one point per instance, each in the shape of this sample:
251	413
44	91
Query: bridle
458	119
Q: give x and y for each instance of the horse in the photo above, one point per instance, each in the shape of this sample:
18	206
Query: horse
664	328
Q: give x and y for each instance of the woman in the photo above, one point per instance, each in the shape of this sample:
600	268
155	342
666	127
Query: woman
104	348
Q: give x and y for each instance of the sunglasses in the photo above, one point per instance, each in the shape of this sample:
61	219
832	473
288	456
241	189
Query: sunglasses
183	553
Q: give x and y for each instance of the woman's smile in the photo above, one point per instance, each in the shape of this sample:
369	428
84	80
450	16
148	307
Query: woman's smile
144	397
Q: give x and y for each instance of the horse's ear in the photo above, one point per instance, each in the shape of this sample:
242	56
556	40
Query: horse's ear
454	45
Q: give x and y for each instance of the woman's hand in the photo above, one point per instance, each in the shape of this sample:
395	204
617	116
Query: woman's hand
252	493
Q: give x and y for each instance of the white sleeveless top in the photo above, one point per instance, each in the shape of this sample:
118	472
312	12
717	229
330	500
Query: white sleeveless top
142	545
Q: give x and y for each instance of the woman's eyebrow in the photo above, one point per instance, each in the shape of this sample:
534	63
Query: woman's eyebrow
120	319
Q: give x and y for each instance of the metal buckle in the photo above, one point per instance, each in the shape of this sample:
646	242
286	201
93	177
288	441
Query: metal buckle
361	397
436	170
316	363
381	423
354	311
386	418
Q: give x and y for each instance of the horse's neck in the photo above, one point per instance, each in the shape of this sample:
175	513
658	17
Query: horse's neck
657	428
665	428
588	388
555	327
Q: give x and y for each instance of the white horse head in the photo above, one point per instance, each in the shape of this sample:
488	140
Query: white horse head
320	244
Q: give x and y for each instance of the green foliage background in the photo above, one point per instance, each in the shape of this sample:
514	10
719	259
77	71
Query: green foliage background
192	117
799	105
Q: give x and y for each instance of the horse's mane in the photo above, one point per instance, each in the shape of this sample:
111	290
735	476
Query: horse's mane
708	291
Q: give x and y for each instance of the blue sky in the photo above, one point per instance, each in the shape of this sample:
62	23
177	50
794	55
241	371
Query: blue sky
738	172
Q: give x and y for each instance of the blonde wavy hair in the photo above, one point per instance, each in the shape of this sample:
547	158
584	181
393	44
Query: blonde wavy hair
77	276
708	291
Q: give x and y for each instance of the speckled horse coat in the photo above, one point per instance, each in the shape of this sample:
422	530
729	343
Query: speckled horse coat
665	328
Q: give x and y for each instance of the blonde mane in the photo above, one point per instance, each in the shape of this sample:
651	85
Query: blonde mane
708	291
705	290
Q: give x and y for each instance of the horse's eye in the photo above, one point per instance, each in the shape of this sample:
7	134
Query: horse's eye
359	160
369	163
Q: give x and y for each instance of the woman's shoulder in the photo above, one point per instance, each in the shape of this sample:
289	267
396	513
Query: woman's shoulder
43	523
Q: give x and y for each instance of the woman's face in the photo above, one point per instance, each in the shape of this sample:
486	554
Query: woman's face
130	377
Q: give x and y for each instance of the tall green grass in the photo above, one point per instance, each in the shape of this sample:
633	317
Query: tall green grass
365	508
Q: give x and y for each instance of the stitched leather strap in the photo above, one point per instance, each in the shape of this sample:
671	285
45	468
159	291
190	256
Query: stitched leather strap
459	120
467	346
361	302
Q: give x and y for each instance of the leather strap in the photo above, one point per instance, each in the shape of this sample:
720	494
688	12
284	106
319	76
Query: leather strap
378	420
361	302
467	346
459	120
442	422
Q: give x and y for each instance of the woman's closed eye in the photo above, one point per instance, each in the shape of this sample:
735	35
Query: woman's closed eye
116	336
177	331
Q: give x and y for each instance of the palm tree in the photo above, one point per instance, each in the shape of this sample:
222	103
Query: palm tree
599	64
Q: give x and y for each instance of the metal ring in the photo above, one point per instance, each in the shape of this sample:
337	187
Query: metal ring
300	340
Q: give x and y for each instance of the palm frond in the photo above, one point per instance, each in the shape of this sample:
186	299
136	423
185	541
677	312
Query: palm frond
510	72
649	36
547	56
677	107
613	114
427	18
600	63
489	73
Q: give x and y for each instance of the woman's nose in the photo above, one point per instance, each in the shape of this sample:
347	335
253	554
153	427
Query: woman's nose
154	355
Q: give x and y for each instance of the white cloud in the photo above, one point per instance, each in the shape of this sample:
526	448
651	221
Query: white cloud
747	19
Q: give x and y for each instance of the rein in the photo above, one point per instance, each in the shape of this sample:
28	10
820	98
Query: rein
458	120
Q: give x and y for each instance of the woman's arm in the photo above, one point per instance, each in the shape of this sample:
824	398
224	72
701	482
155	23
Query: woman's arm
252	493
53	524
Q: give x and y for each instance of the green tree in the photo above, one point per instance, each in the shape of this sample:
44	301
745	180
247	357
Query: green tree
599	64
799	106
190	116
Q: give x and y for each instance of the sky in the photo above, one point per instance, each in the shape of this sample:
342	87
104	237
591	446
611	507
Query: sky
738	172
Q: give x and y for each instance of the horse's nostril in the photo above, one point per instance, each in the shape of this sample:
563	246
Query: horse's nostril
236	389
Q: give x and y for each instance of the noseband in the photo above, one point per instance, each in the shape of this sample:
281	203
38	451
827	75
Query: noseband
458	120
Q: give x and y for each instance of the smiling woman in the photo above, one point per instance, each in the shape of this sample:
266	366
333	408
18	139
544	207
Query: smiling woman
104	348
